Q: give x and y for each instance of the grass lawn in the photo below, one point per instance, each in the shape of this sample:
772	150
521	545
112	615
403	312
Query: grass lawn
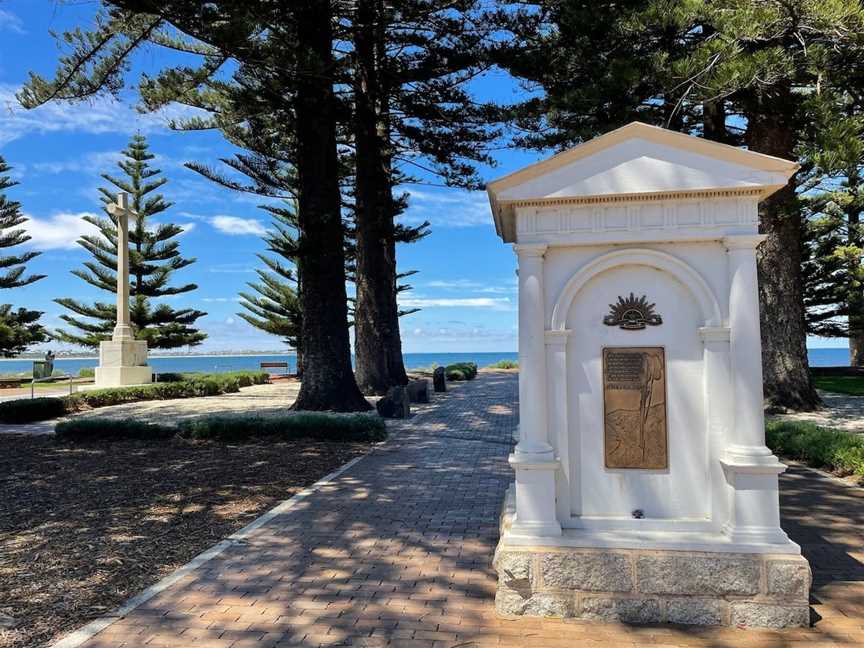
85	526
835	450
852	385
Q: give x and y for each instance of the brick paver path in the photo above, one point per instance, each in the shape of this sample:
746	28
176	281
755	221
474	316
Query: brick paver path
396	552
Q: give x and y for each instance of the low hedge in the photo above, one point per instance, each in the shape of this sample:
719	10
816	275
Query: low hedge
838	451
196	385
95	429
320	426
505	364
461	371
31	410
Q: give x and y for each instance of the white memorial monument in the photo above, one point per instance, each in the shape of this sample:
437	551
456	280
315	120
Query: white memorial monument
643	491
122	359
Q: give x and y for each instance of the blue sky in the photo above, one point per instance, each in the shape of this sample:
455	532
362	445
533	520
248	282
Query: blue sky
466	285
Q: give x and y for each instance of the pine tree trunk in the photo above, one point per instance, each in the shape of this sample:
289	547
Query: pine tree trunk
377	342
786	372
856	296
714	121
328	381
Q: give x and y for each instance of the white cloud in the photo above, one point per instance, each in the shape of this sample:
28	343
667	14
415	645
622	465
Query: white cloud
231	268
220	300
100	115
469	285
93	162
187	227
238	226
58	232
494	303
447	208
10	22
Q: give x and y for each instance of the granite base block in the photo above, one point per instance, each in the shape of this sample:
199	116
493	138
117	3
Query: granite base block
653	586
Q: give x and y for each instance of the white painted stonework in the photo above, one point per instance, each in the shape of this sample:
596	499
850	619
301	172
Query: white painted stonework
672	217
645	211
122	359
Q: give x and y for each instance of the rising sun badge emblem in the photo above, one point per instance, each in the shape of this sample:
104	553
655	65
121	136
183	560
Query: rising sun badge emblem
632	314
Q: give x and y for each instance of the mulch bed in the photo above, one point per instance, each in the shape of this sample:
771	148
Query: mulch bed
84	527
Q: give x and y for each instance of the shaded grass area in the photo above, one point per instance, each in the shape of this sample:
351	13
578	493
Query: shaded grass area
851	385
83	527
25	410
835	450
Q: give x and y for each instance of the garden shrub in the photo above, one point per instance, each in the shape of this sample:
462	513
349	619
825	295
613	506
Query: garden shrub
86	372
505	364
32	409
320	426
461	371
85	429
835	450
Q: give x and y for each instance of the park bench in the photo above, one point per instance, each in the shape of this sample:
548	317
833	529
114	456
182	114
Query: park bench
43	371
275	365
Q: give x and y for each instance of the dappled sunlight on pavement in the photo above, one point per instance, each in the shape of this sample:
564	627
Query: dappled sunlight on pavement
397	551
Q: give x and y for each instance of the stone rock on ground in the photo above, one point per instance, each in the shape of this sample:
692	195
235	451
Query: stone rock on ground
418	391
439	379
395	404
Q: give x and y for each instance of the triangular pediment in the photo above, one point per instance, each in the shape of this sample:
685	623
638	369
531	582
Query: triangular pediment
636	160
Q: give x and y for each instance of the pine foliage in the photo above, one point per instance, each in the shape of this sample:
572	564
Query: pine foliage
154	257
19	328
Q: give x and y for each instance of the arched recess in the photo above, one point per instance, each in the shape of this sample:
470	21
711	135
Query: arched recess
680	270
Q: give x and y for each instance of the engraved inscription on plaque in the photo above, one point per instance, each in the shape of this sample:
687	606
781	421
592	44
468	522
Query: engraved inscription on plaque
634	404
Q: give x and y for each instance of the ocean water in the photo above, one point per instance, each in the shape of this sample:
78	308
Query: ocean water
215	363
219	364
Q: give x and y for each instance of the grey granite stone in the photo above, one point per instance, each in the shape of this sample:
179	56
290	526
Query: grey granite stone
626	610
693	611
761	615
514	572
789	579
509	602
697	575
589	572
549	605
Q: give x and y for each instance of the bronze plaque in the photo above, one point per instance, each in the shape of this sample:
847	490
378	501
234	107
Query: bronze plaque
634	407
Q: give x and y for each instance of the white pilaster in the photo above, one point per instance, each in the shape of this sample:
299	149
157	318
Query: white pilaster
533	461
560	409
751	468
533	443
719	412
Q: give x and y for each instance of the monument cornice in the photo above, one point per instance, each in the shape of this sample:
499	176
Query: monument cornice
690	194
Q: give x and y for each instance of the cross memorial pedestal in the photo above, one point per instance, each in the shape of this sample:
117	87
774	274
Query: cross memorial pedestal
122	359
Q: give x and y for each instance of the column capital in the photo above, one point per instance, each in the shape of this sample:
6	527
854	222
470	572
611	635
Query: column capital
557	337
530	249
715	333
743	241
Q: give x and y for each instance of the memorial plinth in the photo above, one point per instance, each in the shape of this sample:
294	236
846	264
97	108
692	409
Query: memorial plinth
122	359
643	488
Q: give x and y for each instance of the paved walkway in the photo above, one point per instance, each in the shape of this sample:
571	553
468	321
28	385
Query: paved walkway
397	552
841	411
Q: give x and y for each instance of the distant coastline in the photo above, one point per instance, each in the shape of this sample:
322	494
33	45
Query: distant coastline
189	354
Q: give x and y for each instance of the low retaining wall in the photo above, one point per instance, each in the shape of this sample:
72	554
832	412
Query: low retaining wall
651	586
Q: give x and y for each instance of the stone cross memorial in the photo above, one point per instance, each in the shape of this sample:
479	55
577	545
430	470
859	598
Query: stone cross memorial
643	490
122	359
